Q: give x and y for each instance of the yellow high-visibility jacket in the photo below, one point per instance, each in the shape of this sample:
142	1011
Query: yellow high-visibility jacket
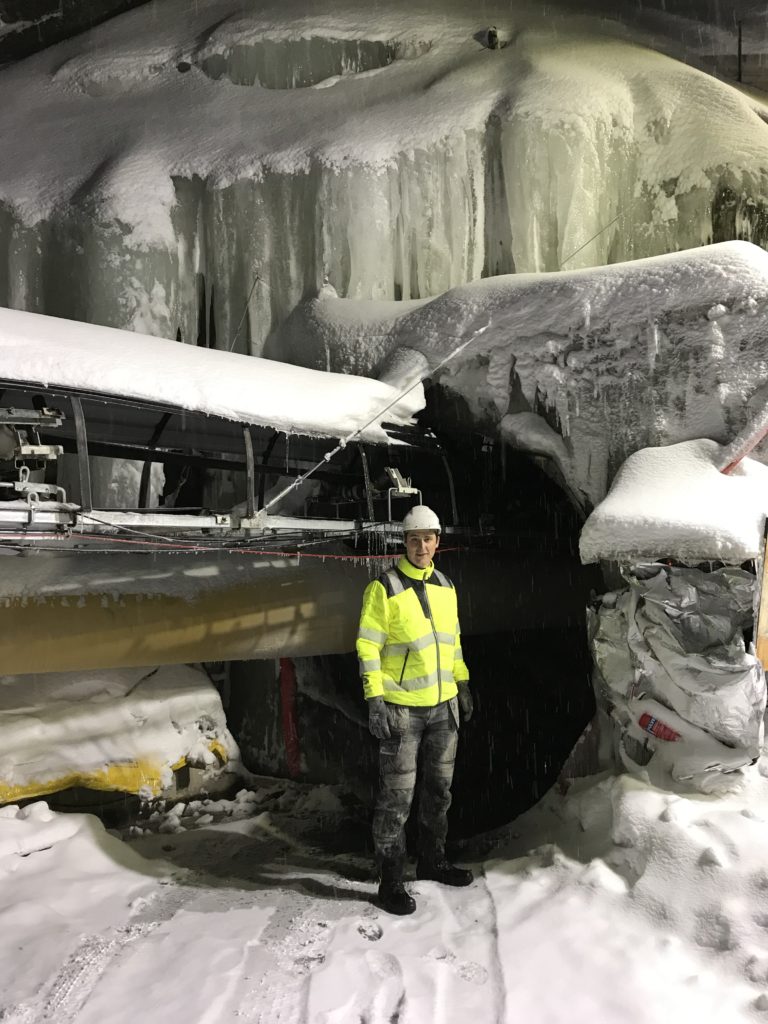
409	643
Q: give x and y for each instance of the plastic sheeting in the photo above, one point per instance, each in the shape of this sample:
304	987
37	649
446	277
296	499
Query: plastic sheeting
669	654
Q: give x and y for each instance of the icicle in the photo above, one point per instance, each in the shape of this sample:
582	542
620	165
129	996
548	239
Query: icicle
587	315
652	337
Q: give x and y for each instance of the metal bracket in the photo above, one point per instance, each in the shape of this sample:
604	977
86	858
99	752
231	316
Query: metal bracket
32	490
86	501
45	452
31	417
402	488
258	521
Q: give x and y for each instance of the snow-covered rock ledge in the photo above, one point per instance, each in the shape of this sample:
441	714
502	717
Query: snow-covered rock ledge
611	359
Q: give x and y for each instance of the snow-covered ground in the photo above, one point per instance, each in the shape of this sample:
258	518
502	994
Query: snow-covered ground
618	902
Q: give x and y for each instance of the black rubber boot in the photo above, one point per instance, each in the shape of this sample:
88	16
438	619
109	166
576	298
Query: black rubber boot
443	872
392	895
394	899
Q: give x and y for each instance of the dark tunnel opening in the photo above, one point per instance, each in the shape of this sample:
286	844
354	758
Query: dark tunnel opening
530	670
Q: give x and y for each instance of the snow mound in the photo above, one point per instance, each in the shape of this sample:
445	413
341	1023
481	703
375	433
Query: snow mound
63	878
642	904
674	501
119	729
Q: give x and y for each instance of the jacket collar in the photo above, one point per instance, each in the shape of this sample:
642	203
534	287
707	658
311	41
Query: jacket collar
409	570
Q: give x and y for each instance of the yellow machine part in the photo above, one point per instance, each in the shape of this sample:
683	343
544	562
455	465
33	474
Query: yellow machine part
95	631
124	777
267	608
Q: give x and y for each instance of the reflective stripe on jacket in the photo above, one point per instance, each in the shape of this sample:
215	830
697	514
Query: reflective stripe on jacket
409	643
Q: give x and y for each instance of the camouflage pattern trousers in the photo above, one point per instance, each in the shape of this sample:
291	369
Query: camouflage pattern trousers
420	753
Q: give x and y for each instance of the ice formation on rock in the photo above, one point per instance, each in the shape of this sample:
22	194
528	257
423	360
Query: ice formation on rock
613	359
198	170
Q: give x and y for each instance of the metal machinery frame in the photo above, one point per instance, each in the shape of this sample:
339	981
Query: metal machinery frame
41	427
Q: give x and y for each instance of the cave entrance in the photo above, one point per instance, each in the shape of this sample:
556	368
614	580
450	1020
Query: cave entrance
522	595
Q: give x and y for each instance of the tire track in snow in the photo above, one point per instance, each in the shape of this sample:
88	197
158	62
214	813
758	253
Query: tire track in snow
496	979
297	937
65	997
62	1000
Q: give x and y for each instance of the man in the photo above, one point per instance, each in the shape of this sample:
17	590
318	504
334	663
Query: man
414	679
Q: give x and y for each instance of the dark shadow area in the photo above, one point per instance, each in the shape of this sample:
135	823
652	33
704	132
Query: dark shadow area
279	859
533	699
44	22
521	585
300	63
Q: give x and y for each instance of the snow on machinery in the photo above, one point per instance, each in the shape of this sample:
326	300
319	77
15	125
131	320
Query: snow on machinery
142	730
97	393
121	455
154	486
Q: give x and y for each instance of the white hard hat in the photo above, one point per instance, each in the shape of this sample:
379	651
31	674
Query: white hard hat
421	517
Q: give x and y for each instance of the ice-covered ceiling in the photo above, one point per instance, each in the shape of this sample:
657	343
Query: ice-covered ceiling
183	159
202	171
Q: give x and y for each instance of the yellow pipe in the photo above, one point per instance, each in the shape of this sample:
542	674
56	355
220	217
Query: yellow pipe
258	610
98	631
127	777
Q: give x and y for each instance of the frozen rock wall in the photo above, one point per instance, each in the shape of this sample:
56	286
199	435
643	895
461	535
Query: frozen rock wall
582	368
195	171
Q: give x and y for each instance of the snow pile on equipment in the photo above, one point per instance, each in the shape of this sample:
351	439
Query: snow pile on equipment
121	729
49	351
674	501
673	675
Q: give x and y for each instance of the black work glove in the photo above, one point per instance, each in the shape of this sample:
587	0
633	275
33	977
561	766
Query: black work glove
466	703
378	723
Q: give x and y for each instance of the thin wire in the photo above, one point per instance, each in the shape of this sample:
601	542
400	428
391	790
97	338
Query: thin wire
212	545
198	548
245	311
377	416
597	234
126	529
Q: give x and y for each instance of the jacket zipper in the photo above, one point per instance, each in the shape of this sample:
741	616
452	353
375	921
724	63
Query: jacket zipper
437	645
403	669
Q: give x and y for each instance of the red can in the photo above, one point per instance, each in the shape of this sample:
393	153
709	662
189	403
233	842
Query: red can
657	728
